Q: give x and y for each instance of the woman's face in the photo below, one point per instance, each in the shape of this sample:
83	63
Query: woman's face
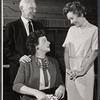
44	44
74	19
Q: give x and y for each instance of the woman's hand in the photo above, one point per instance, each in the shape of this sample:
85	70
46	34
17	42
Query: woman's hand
45	98
75	74
50	97
80	73
41	96
71	73
60	92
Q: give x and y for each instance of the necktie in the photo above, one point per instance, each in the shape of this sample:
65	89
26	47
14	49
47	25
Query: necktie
30	27
45	72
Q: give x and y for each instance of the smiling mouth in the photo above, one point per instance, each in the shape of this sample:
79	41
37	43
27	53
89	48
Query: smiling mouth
32	13
48	46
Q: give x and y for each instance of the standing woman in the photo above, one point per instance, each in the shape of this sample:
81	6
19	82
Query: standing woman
81	49
41	73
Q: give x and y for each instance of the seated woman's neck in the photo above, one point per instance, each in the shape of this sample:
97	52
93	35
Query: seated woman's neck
40	55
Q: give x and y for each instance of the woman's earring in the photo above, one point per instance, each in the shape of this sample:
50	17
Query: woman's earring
37	48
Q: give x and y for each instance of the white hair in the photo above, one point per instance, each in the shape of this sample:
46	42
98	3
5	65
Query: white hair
23	2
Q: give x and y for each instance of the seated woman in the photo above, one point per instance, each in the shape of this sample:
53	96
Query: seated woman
41	73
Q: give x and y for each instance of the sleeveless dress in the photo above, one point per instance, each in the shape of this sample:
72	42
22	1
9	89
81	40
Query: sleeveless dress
80	47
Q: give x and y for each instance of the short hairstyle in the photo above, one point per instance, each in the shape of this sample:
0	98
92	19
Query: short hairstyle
22	2
75	7
32	40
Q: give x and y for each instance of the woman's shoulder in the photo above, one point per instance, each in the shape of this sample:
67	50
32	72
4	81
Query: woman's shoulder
51	59
72	28
24	65
92	26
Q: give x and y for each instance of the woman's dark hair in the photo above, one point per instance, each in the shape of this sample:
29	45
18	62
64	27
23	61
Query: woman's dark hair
32	40
75	7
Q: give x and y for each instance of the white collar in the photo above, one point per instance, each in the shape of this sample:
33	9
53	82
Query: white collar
25	21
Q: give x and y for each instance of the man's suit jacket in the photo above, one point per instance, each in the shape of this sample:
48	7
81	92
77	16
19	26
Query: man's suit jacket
14	44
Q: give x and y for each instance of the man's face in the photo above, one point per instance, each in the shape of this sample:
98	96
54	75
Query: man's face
29	10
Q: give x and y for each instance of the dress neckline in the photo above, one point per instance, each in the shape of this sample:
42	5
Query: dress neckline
44	62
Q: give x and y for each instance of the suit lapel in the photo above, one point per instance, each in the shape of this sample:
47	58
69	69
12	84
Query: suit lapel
22	28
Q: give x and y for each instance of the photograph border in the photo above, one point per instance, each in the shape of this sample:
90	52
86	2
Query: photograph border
98	51
1	51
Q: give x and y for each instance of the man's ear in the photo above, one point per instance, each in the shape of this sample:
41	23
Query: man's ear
21	8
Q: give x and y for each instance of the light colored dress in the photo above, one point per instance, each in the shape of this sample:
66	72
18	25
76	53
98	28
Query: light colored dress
80	47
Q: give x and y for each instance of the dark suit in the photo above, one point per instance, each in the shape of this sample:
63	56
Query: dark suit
14	44
15	37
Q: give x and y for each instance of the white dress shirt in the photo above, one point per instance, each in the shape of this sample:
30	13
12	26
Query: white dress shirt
25	22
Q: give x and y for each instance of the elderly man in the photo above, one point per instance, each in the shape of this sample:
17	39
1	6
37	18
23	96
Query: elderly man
16	34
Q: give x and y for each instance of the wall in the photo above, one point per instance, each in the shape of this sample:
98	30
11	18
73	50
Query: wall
49	12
